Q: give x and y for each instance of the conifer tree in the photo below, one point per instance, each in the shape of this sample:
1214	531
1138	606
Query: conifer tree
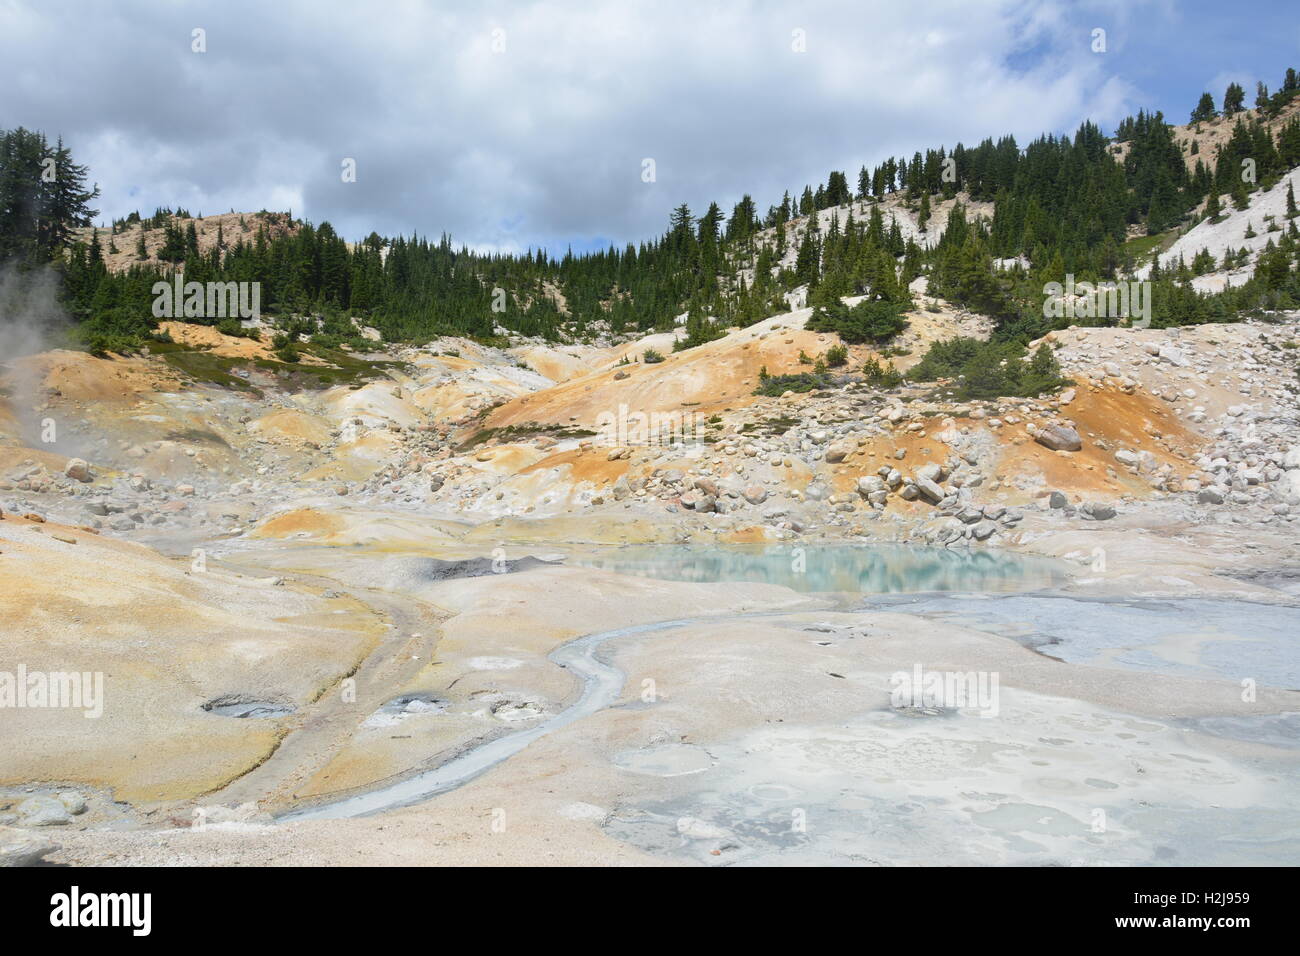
1234	99
1204	109
1213	209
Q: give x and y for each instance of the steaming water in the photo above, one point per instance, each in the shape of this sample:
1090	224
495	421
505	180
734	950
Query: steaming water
874	569
30	320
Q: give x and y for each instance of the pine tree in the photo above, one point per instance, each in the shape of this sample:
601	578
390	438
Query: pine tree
1234	99
1213	208
43	197
1204	109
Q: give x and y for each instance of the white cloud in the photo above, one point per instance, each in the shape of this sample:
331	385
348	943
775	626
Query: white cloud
541	143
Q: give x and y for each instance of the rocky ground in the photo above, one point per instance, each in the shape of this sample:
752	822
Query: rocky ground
258	547
1197	422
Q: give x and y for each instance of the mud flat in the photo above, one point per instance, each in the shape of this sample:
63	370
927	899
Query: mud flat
745	723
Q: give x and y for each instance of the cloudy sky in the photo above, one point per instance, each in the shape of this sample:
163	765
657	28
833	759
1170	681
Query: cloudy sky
518	124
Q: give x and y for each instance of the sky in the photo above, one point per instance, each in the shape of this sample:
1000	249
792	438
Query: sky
515	125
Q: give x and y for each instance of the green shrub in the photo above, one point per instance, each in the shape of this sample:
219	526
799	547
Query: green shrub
119	329
232	327
990	369
651	357
871	320
945	359
881	376
802	382
837	356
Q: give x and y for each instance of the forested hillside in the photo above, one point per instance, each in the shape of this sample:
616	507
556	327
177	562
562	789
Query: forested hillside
1061	205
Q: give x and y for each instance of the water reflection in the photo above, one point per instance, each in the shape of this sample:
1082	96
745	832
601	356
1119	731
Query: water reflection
865	569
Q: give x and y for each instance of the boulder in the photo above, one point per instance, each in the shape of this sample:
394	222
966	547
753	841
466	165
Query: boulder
839	450
818	492
1289	486
42	812
929	490
869	483
74	802
18	848
1173	356
78	470
1059	438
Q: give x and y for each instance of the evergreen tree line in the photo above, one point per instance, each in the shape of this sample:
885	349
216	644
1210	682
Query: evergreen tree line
1062	204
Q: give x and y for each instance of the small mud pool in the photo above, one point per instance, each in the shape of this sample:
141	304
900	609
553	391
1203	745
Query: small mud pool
246	707
400	708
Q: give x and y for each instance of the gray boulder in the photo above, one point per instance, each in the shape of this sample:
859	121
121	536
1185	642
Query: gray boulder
42	812
1059	438
929	490
18	848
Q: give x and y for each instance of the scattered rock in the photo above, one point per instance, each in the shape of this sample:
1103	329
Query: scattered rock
929	490
838	451
18	848
1059	438
1097	510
